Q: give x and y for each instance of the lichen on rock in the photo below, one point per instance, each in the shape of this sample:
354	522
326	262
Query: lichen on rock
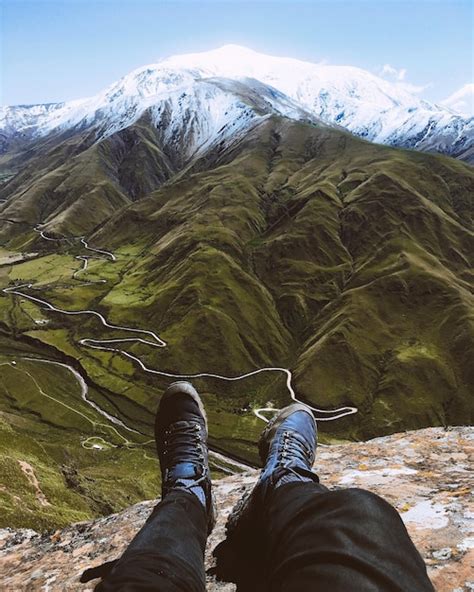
425	474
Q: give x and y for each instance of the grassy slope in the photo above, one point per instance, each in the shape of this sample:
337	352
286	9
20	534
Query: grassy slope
300	247
66	177
347	261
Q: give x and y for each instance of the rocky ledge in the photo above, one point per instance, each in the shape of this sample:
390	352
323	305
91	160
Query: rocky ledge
425	474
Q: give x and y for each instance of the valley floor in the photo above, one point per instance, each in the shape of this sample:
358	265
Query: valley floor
424	474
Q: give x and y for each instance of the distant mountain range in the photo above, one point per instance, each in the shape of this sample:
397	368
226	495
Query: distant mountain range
222	92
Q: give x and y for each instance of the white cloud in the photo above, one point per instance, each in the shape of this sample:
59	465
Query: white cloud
398	76
461	101
390	72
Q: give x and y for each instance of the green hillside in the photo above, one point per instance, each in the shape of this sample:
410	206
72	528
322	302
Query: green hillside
298	246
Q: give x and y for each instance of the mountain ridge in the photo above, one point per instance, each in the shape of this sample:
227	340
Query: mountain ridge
355	99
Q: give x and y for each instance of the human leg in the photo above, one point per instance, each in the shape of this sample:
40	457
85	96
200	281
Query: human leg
313	538
167	554
338	541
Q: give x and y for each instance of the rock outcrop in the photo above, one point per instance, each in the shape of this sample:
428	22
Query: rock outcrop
425	474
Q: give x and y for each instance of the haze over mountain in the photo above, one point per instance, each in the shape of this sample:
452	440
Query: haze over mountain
462	101
355	99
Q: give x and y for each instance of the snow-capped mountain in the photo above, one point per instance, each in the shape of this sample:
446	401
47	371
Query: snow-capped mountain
190	110
355	99
212	110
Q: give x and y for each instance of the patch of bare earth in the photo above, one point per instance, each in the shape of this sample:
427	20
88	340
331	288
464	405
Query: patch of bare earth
31	476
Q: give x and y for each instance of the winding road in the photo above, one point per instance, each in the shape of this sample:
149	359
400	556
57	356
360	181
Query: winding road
152	339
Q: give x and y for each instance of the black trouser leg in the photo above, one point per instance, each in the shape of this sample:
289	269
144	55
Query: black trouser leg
167	554
338	541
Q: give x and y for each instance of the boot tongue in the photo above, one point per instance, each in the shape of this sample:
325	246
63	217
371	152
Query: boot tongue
184	470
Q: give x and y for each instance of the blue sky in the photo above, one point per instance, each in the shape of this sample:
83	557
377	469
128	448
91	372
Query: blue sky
52	51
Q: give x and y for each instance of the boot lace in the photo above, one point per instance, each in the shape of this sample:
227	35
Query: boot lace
293	449
183	443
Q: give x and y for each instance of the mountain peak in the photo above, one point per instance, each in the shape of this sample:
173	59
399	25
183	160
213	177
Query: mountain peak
229	49
238	61
350	97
